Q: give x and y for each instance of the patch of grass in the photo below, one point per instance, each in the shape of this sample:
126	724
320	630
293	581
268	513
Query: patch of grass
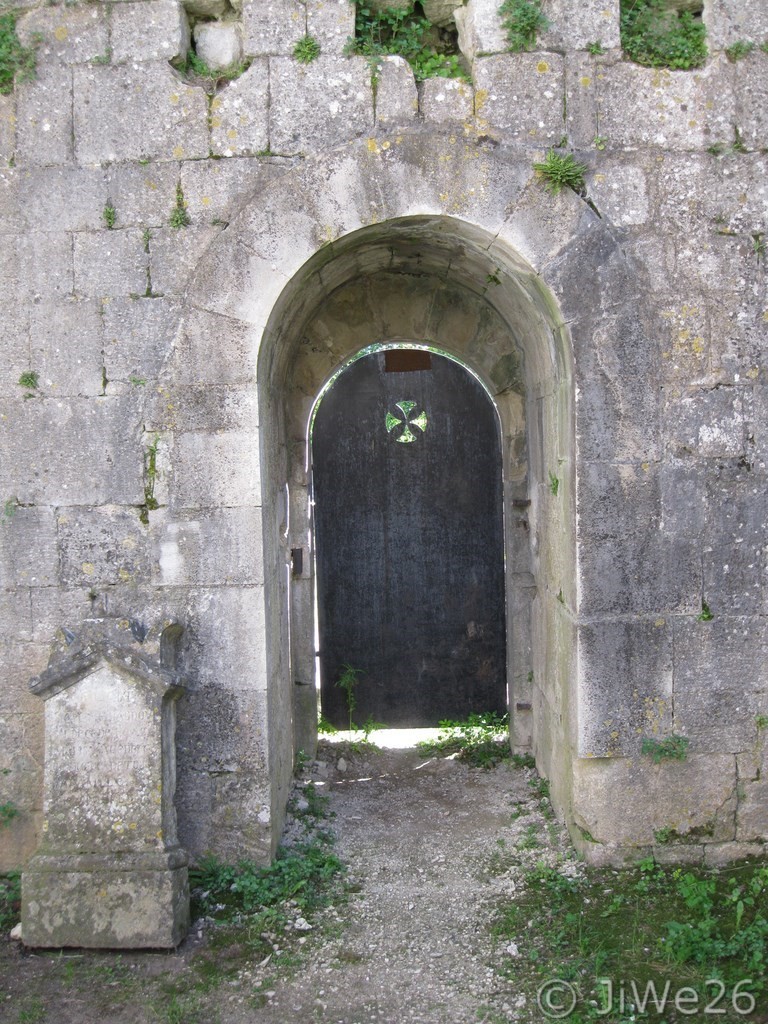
32	1012
17	62
522	20
657	37
559	171
481	741
306	50
430	50
702	929
739	50
8	811
554	483
10	900
671	748
195	67
30	380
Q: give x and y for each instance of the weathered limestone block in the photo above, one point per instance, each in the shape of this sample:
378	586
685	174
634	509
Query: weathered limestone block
480	29
81	451
734	541
214	189
110	263
751	816
721	668
174	254
70	35
751	85
44	118
273	28
214	548
65	346
680	110
15	351
219	44
217	469
10	214
137	337
397	99
110	872
573	29
239	114
710	424
332	24
7	127
134	113
732	20
696	798
208	8
447	99
28	554
232	361
44	266
318	105
620	192
157	30
204	406
583	75
522	95
627	686
101	546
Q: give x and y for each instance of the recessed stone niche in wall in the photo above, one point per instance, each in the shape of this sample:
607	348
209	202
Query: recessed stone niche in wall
109	872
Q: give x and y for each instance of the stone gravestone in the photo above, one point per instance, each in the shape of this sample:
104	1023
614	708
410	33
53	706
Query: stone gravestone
109	872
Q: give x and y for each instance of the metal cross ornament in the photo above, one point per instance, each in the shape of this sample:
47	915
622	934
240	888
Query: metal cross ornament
406	421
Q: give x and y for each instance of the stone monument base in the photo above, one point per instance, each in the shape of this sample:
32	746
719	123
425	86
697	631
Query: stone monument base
128	901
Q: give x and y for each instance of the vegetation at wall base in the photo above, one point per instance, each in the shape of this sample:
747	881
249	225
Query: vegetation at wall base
481	740
657	37
10	900
522	21
17	62
620	939
404	32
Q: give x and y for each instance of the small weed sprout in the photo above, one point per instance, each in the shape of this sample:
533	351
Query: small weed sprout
761	721
8	811
600	142
9	508
671	748
196	68
109	214
739	50
595	49
347	682
758	245
705	615
179	217
138	382
560	170
554	483
522	20
306	50
17	62
30	380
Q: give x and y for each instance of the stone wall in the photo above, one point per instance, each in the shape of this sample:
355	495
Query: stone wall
157	470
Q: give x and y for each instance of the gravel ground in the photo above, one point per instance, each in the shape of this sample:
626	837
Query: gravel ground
431	844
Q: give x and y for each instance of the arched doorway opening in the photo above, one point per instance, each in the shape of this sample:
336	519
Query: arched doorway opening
409	541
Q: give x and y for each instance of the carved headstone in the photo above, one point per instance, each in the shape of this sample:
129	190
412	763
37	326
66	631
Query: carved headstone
109	872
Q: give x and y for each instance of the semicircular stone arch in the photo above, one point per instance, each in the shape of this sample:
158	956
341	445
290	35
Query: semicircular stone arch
425	239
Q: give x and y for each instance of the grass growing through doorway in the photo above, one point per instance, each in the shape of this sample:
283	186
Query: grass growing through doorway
481	741
624	944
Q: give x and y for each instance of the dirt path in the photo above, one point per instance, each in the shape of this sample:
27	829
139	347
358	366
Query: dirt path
431	846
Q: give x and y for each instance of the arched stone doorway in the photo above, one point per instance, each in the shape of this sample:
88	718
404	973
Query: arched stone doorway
416	238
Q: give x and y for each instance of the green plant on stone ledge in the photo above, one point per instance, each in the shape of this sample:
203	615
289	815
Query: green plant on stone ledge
306	50
403	32
109	214
705	615
522	21
560	170
739	50
657	36
17	62
671	748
